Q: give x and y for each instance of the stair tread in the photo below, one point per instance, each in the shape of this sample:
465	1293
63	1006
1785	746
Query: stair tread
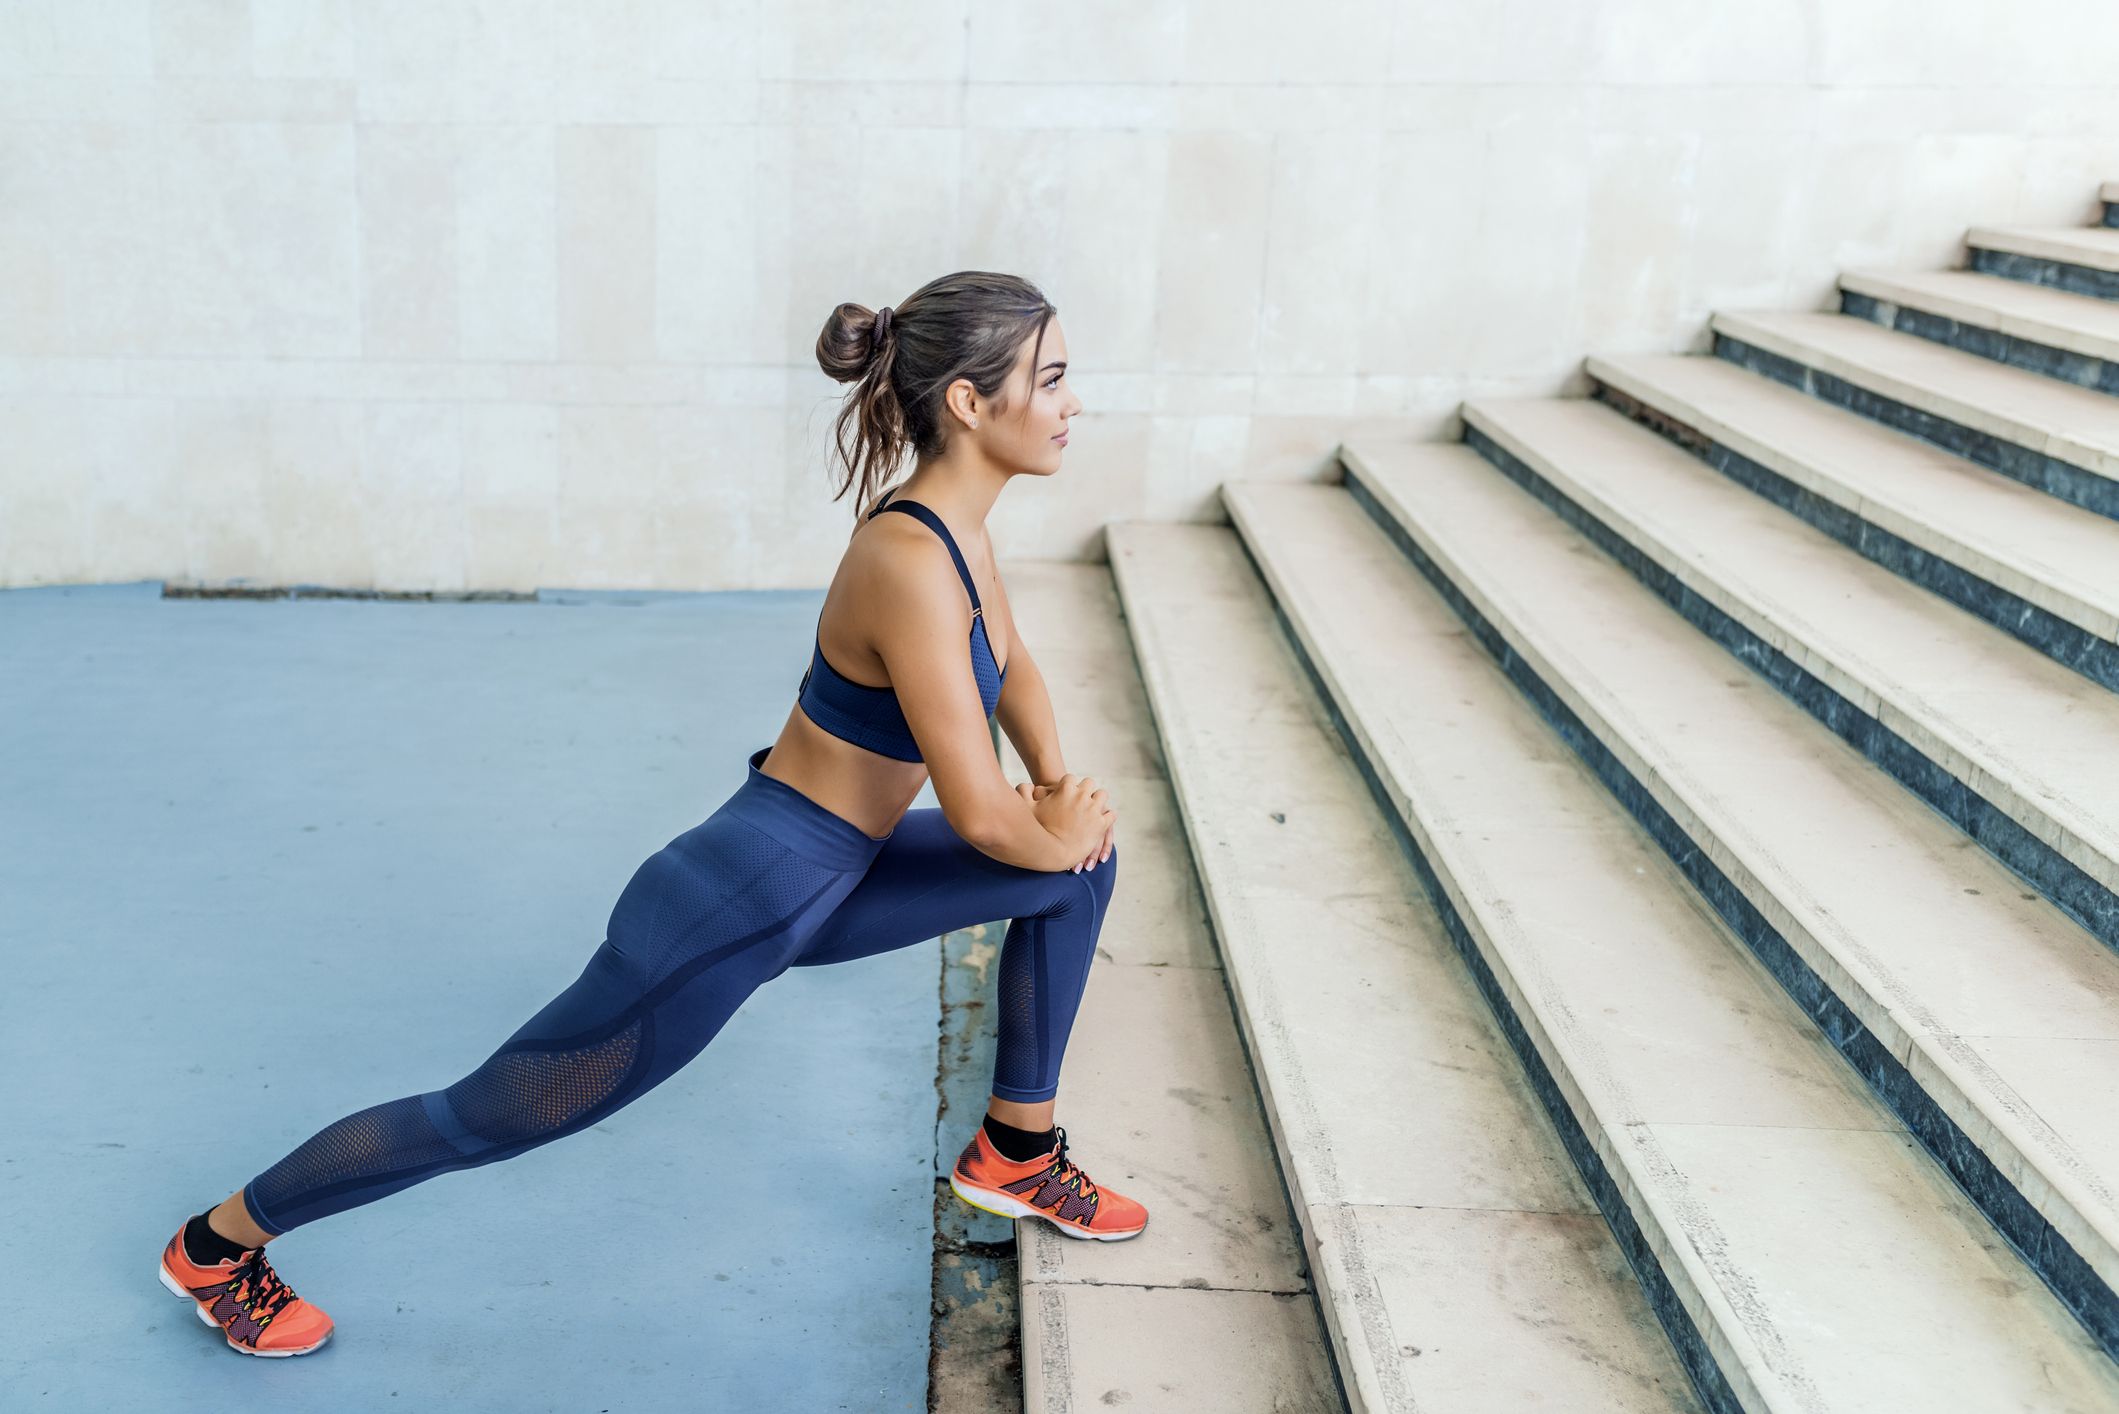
2039	313
2033	737
1935	946
2094	246
1358	1011
2077	425
1787	1207
2048	551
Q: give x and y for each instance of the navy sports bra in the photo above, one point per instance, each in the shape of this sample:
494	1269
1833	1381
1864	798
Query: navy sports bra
870	716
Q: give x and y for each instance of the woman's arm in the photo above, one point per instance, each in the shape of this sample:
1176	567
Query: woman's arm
1025	713
924	642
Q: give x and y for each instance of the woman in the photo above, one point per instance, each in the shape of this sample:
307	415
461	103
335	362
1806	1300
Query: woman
815	858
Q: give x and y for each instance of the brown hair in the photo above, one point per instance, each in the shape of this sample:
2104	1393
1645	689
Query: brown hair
966	325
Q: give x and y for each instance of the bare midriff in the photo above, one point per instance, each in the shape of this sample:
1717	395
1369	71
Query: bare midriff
852	782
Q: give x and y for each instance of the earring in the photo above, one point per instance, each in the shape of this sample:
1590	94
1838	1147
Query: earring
974	424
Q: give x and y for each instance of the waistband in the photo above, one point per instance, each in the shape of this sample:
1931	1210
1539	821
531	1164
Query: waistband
800	823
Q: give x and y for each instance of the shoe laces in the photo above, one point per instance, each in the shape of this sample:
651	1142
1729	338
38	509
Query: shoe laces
1063	1167
257	1288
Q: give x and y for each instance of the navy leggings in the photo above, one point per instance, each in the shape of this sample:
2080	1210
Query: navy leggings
771	880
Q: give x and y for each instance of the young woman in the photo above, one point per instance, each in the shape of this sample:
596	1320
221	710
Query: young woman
815	858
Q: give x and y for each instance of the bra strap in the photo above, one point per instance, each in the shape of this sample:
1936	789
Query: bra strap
934	523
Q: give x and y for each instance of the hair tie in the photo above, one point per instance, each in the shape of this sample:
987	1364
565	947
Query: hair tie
875	338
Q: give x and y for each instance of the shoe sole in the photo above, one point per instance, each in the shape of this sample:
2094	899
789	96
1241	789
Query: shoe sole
176	1288
1018	1209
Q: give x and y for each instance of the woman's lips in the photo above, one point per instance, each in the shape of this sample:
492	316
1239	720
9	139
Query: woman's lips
1061	439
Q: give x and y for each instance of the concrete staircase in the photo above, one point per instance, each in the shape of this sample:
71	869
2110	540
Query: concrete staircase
1746	737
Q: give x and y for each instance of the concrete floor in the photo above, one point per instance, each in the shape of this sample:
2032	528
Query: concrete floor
267	862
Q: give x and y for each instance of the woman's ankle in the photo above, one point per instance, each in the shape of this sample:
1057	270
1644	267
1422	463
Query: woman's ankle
231	1219
1017	1144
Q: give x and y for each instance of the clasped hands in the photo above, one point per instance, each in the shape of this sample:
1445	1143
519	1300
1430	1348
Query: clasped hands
1037	790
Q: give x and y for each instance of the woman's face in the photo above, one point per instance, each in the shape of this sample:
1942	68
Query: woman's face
1026	435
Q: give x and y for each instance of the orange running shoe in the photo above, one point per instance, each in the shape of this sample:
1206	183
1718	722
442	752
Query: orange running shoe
1050	1186
246	1300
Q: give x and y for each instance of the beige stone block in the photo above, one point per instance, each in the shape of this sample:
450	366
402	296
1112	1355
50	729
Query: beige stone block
1211	241
510	545
510	454
408	245
1236	1352
606	243
315	494
606	547
696	548
713	220
817	40
1103	42
507	241
1421	247
608	456
201	37
417	543
43	541
258	224
308	39
1490	1310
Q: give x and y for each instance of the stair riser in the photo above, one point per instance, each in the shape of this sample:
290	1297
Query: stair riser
2057	1263
2065	642
1693	1353
2111	213
2100	375
2036	270
2049	474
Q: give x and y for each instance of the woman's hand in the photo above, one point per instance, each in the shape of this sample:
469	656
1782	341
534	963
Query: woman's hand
1035	791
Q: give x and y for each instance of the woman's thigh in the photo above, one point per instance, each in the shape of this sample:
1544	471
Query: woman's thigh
927	881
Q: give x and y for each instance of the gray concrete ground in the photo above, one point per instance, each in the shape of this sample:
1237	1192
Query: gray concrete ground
266	862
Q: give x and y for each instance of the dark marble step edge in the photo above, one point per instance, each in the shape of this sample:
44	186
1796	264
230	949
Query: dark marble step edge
2039	270
1705	1373
2064	641
2111	213
2042	1248
2079	370
2071	483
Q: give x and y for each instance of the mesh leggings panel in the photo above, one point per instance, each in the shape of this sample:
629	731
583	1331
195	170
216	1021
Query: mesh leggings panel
1044	969
702	924
521	1094
512	1103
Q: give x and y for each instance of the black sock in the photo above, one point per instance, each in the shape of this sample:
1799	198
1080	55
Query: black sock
206	1247
1021	1145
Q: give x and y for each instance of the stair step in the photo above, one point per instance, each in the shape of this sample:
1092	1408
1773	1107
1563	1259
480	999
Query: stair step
2066	336
1211	1308
2061	440
2081	259
1805	1252
1460	1263
2092	247
1979	1012
2017	750
2031	565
